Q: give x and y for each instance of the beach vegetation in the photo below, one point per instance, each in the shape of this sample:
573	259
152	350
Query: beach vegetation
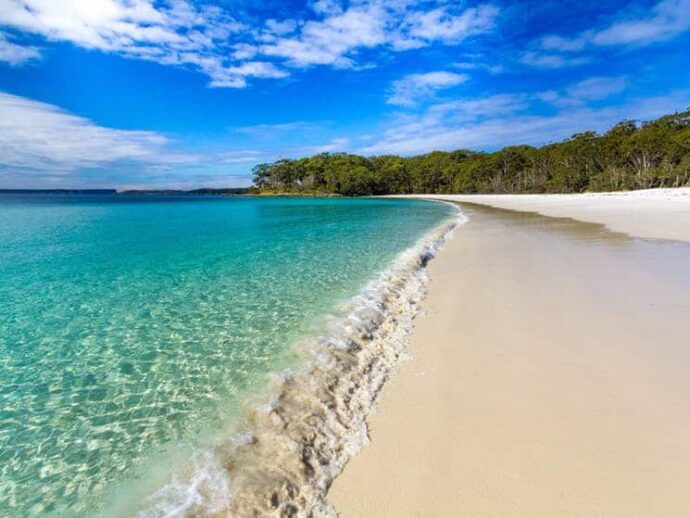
628	156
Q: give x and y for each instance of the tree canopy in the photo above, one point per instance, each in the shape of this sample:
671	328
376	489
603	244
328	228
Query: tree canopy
628	156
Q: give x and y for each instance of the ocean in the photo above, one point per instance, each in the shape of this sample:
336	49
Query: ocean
140	334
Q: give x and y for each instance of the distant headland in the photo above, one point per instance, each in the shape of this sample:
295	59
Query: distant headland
58	191
202	191
158	192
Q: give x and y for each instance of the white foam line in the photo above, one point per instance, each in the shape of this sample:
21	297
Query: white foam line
302	437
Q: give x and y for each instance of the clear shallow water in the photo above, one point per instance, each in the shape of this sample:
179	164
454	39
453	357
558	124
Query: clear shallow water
129	324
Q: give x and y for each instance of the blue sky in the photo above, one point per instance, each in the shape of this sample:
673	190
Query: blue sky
182	93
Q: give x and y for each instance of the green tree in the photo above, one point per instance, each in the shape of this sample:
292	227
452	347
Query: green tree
627	156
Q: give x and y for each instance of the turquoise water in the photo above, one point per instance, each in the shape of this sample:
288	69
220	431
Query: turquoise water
128	324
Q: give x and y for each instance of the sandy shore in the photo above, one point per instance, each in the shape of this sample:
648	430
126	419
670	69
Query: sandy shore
551	377
654	213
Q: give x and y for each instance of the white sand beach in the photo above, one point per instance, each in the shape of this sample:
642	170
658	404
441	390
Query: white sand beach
653	213
550	372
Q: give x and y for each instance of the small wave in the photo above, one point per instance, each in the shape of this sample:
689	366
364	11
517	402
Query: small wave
299	440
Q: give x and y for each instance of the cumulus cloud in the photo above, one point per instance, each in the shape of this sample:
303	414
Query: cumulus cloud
413	88
329	41
173	33
335	38
40	136
227	50
442	25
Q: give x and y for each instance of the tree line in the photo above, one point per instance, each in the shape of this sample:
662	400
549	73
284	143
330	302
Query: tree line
628	156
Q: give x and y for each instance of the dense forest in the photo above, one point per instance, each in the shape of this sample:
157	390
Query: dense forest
628	156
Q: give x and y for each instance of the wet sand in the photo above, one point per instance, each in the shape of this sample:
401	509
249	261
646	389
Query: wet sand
652	213
550	377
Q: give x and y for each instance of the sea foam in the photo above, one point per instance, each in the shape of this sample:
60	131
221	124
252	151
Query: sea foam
298	440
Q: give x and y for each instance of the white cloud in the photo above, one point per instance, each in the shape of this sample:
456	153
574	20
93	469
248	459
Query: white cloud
550	60
667	19
39	136
180	33
329	41
253	156
584	92
337	145
556	43
243	156
664	21
478	65
279	131
328	7
235	76
499	105
171	33
508	119
281	28
15	54
336	38
42	145
597	88
101	24
414	88
441	25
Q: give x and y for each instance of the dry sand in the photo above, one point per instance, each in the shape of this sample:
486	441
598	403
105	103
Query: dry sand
550	377
654	213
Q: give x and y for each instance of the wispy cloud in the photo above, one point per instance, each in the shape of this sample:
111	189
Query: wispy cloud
597	88
254	156
551	60
586	91
662	22
15	54
480	108
510	119
479	65
41	144
39	136
665	21
336	145
413	88
242	156
263	131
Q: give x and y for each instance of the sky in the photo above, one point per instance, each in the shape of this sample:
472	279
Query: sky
186	93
